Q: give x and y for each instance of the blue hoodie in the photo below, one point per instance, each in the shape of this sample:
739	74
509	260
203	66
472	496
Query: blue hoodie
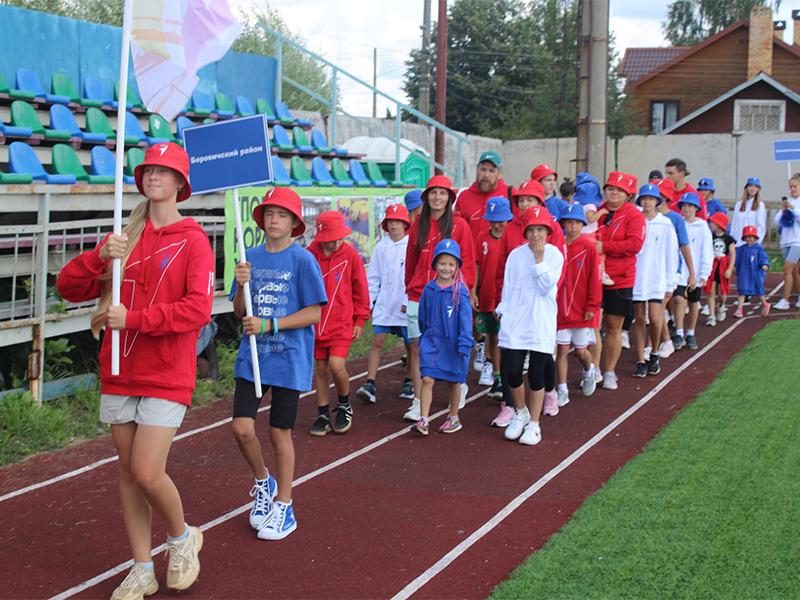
445	334
750	261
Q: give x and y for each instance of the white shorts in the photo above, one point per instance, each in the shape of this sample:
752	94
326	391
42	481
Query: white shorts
412	315
116	410
580	338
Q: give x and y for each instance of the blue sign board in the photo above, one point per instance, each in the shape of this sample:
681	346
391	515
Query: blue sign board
786	150
228	154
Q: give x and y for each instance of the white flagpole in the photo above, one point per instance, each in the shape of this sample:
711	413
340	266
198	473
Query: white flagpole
248	301
123	96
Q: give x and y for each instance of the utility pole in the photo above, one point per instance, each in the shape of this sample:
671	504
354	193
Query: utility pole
593	86
424	71
374	83
441	82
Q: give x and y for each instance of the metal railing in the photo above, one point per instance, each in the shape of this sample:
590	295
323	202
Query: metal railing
332	103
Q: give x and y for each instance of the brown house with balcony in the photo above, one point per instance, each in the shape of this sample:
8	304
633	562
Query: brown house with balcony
714	87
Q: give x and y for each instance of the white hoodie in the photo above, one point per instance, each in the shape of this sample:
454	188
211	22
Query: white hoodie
386	281
657	261
528	306
701	245
790	236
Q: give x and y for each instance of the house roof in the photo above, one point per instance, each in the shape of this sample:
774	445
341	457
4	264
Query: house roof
638	62
794	96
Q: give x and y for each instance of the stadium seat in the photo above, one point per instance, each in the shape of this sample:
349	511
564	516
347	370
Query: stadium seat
322	177
300	140
284	116
22	159
16	132
28	81
133	127
374	173
224	106
97	122
135	158
243	107
183	123
280	139
7	92
66	162
94	89
159	128
357	174
24	115
263	108
299	173
319	142
200	104
279	175
132	97
62	85
104	164
15	178
339	174
62	119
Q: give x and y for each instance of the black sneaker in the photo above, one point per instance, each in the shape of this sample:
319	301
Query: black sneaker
677	342
497	390
344	418
367	393
691	343
671	327
404	358
641	369
653	367
321	426
408	390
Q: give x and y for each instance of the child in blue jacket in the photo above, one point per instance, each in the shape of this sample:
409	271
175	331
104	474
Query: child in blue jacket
752	264
445	342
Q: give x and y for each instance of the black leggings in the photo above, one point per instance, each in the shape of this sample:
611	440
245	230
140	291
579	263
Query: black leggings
541	372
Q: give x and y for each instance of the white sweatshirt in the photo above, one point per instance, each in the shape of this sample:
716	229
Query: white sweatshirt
657	261
701	245
528	306
748	216
386	281
790	236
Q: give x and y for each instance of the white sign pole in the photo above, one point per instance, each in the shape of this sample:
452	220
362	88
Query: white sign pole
248	301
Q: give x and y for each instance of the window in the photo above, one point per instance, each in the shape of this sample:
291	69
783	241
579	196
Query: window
663	114
759	116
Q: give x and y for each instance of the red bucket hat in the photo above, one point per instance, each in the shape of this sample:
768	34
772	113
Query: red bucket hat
721	219
439	181
398	212
531	187
536	215
330	227
166	155
666	187
623	181
284	198
749	230
541	172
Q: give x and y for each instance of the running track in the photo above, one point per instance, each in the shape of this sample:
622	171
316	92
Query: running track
382	512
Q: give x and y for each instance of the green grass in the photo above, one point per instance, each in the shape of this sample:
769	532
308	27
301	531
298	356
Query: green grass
710	509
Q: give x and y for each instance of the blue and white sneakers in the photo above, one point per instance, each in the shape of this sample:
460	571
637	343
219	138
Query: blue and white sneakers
281	524
264	492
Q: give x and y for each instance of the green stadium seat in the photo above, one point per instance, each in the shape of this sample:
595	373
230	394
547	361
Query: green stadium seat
223	104
300	140
66	162
299	172
159	128
15	178
7	92
24	115
97	122
62	85
132	97
135	158
263	108
374	173
339	173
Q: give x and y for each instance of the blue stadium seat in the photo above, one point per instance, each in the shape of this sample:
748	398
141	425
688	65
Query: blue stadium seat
29	82
104	163
357	173
243	107
11	131
322	177
95	90
62	119
319	143
282	112
133	127
22	159
183	123
280	139
279	175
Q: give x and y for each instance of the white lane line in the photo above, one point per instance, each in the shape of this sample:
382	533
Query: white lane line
244	508
451	556
100	463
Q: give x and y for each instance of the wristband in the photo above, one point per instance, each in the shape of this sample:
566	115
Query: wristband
263	322
274	325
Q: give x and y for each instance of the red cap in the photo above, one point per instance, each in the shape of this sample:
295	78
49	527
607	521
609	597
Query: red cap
166	155
439	181
721	219
749	230
330	227
397	212
531	187
541	172
537	215
666	187
284	198
627	183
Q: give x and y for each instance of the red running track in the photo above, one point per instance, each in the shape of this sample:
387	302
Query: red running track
397	516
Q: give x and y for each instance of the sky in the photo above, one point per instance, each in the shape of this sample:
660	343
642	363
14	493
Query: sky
346	32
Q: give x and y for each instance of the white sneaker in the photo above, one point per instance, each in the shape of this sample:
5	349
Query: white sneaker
782	304
139	583
517	424
721	314
562	398
184	563
646	353
706	311
413	411
609	381
666	349
626	340
532	434
480	356
598	375
711	321
589	384
487	374
463	401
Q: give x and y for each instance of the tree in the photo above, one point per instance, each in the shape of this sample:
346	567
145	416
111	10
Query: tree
689	22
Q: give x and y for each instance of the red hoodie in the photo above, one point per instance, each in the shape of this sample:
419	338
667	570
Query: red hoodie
471	204
418	264
582	288
168	299
622	239
348	295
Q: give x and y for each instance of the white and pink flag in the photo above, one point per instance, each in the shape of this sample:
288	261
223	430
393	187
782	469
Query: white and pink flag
170	41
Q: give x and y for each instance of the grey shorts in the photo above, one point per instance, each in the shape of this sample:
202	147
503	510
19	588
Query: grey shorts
412	315
791	254
116	410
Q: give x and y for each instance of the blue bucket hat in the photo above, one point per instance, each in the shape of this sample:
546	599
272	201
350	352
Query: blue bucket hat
651	189
706	184
573	211
413	199
587	190
753	181
787	219
690	198
450	247
498	208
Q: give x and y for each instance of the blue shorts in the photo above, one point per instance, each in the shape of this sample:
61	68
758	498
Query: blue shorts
396	330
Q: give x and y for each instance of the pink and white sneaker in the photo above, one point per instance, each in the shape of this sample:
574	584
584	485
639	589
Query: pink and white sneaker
550	404
505	416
